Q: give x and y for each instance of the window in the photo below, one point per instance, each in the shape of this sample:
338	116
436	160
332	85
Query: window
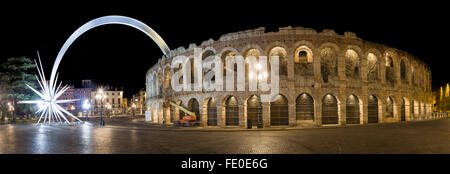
302	57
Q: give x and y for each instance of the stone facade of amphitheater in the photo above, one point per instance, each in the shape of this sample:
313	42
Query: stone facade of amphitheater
325	79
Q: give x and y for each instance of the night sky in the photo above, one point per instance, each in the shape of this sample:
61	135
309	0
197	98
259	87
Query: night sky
121	55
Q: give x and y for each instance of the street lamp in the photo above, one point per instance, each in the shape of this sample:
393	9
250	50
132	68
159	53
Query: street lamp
101	96
259	76
86	107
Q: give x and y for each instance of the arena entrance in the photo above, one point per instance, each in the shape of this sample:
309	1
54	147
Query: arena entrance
304	107
212	112
390	108
352	110
254	110
329	110
194	107
372	110
279	111
231	112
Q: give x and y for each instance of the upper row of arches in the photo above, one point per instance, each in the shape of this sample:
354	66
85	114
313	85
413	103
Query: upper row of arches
391	64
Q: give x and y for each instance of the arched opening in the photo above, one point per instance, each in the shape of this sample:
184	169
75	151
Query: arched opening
212	112
372	109
390	108
352	110
224	60
372	67
231	68
390	74
159	82
329	110
167	78
194	107
304	107
281	53
352	64
403	70
179	68
303	61
231	112
254	110
328	64
279	111
206	54
255	53
402	111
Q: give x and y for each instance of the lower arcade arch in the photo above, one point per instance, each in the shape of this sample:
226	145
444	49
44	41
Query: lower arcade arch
231	111
254	110
279	111
403	111
372	110
211	112
352	110
194	107
390	108
330	110
413	109
304	107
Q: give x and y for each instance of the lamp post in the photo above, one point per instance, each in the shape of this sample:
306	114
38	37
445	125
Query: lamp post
259	76
86	107
101	96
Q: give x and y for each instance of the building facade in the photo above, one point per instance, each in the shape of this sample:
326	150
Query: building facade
441	100
325	79
140	102
112	103
82	94
69	94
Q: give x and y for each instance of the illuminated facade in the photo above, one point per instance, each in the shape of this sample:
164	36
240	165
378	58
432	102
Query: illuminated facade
140	101
325	79
441	99
112	103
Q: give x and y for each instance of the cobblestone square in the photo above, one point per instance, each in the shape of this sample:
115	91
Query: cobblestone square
131	137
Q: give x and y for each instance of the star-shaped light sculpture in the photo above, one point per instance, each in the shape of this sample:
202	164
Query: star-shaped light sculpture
49	109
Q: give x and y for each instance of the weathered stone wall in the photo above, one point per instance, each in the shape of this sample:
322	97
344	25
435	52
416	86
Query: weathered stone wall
316	63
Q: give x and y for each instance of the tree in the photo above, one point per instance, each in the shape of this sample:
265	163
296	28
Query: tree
14	74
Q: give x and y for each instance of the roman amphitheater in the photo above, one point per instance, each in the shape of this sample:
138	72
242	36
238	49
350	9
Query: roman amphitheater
325	79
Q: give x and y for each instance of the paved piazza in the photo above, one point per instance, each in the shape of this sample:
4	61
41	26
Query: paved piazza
131	137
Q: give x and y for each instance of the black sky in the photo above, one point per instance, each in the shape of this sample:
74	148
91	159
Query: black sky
120	55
